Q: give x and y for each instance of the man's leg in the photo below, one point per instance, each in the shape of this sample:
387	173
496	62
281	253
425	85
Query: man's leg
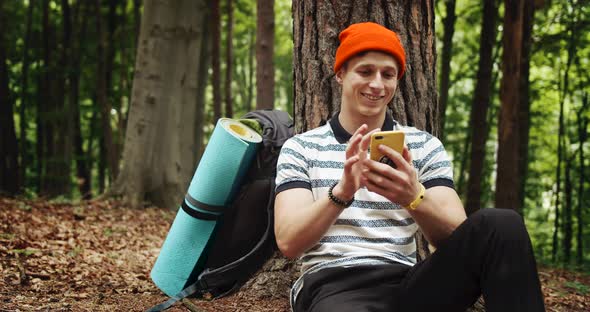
490	253
351	289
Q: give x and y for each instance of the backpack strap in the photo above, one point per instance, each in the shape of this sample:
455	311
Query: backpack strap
211	279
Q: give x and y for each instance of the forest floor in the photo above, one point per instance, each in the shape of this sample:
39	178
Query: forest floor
96	256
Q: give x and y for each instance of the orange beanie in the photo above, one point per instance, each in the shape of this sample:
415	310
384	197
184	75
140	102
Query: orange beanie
369	37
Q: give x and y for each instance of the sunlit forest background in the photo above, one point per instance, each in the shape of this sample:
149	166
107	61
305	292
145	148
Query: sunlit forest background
67	71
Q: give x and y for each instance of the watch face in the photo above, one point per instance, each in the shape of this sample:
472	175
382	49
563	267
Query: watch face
387	161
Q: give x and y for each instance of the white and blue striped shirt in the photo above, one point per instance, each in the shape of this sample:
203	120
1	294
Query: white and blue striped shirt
372	230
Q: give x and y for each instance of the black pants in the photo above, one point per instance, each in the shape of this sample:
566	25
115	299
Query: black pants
489	254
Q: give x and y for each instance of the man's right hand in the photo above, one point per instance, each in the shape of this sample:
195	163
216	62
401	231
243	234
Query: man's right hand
355	152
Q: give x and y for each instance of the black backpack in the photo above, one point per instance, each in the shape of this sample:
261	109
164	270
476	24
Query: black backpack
244	238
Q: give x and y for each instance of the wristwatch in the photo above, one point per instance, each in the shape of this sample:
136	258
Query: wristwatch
413	205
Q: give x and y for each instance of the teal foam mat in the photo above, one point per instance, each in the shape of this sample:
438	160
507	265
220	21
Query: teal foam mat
216	180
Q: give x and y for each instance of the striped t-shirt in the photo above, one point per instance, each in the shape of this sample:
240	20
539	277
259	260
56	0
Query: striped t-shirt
372	230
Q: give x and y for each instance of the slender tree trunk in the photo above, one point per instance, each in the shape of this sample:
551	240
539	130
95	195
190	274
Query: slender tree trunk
524	116
447	52
8	144
102	162
216	58
62	110
229	111
83	176
461	185
508	183
265	71
561	148
560	154
160	145
202	78
480	105
23	146
567	211
114	49
582	137
46	131
251	56
102	96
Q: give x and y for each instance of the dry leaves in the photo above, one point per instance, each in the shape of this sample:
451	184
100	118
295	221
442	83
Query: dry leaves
96	256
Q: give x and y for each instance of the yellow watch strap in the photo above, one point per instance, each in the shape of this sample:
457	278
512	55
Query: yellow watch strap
418	200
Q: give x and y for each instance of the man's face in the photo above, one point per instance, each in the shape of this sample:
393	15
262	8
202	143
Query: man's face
368	83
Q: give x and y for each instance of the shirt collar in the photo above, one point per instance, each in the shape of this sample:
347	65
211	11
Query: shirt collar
342	136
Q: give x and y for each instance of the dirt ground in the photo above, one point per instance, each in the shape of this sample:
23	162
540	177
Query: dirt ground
96	256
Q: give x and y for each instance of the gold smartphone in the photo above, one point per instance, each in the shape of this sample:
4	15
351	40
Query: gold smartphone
393	139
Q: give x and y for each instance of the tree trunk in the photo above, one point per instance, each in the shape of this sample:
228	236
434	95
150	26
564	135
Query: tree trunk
102	96
480	105
83	177
202	78
582	136
460	184
46	126
229	111
160	145
447	52
567	213
23	146
524	116
316	28
265	37
561	147
8	144
508	183
216	58
251	56
62	112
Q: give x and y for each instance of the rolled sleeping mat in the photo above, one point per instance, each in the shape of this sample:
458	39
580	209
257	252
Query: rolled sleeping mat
224	163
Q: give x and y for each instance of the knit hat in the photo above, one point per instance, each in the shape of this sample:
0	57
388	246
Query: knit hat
369	36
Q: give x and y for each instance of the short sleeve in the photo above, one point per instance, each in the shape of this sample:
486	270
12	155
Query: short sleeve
292	167
434	165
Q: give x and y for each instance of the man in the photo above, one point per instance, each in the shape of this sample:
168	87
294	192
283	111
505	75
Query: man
352	220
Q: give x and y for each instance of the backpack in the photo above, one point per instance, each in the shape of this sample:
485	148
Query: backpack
244	237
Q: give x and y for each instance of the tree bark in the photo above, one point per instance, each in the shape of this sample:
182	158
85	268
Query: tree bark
83	176
8	144
561	146
160	145
45	129
229	111
251	56
480	105
567	212
524	109
507	182
216	58
265	71
447	52
582	137
24	99
202	78
102	96
62	110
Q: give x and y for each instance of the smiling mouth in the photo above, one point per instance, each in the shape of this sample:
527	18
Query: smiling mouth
372	97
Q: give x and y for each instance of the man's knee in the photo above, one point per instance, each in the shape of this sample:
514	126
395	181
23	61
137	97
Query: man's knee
504	222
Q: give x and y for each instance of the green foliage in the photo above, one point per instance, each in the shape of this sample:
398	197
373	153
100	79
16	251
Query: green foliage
552	25
582	289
